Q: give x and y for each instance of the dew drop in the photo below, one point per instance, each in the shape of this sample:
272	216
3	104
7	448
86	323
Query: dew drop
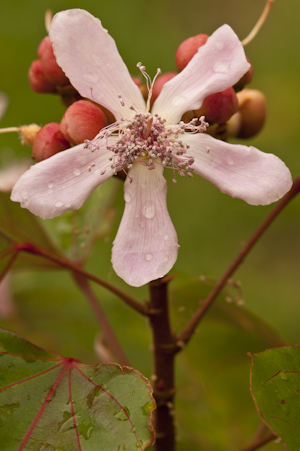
127	197
219	45
58	204
148	257
148	210
50	185
221	66
166	237
25	195
178	100
230	161
77	172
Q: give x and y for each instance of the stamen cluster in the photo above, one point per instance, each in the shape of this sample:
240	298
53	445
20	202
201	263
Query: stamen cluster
146	137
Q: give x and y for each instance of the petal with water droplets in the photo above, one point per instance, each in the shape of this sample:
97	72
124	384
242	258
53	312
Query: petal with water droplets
63	182
89	57
244	172
217	65
146	245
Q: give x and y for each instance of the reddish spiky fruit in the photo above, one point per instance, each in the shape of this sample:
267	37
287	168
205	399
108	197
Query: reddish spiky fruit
37	79
51	69
159	82
82	120
49	141
250	118
219	107
188	49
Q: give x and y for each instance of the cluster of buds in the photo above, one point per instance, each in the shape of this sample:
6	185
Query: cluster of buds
82	120
235	112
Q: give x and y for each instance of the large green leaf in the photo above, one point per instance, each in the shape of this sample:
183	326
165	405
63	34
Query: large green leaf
51	403
275	386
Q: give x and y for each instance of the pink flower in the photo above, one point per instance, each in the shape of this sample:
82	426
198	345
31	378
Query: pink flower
146	245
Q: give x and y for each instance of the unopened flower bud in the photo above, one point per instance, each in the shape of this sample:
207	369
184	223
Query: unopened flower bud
246	79
219	107
49	141
28	133
51	69
159	82
188	49
37	79
82	120
250	118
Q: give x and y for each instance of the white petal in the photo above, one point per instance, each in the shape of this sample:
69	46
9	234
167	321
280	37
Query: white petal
89	57
219	64
62	182
244	172
146	245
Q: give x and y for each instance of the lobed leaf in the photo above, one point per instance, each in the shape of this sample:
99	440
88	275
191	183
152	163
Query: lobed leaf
275	388
49	402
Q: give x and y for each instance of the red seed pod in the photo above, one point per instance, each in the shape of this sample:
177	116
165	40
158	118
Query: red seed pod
219	107
246	79
136	80
82	120
159	82
250	118
51	69
49	141
188	49
37	79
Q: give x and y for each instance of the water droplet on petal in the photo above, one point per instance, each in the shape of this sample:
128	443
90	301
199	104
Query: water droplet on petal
219	45
149	210
58	204
230	161
166	237
50	185
25	195
148	257
221	66
77	172
127	197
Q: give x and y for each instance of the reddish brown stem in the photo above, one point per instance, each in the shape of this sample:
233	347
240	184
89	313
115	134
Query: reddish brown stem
260	442
101	317
164	355
65	263
189	330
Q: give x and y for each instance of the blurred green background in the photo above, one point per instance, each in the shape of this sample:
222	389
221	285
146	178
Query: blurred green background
211	226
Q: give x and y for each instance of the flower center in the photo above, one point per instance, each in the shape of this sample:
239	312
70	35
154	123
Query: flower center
145	138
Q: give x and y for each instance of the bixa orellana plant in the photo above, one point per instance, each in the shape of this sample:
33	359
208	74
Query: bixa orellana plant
116	126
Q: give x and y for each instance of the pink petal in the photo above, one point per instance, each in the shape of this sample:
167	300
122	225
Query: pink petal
219	64
62	182
89	57
244	172
146	244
